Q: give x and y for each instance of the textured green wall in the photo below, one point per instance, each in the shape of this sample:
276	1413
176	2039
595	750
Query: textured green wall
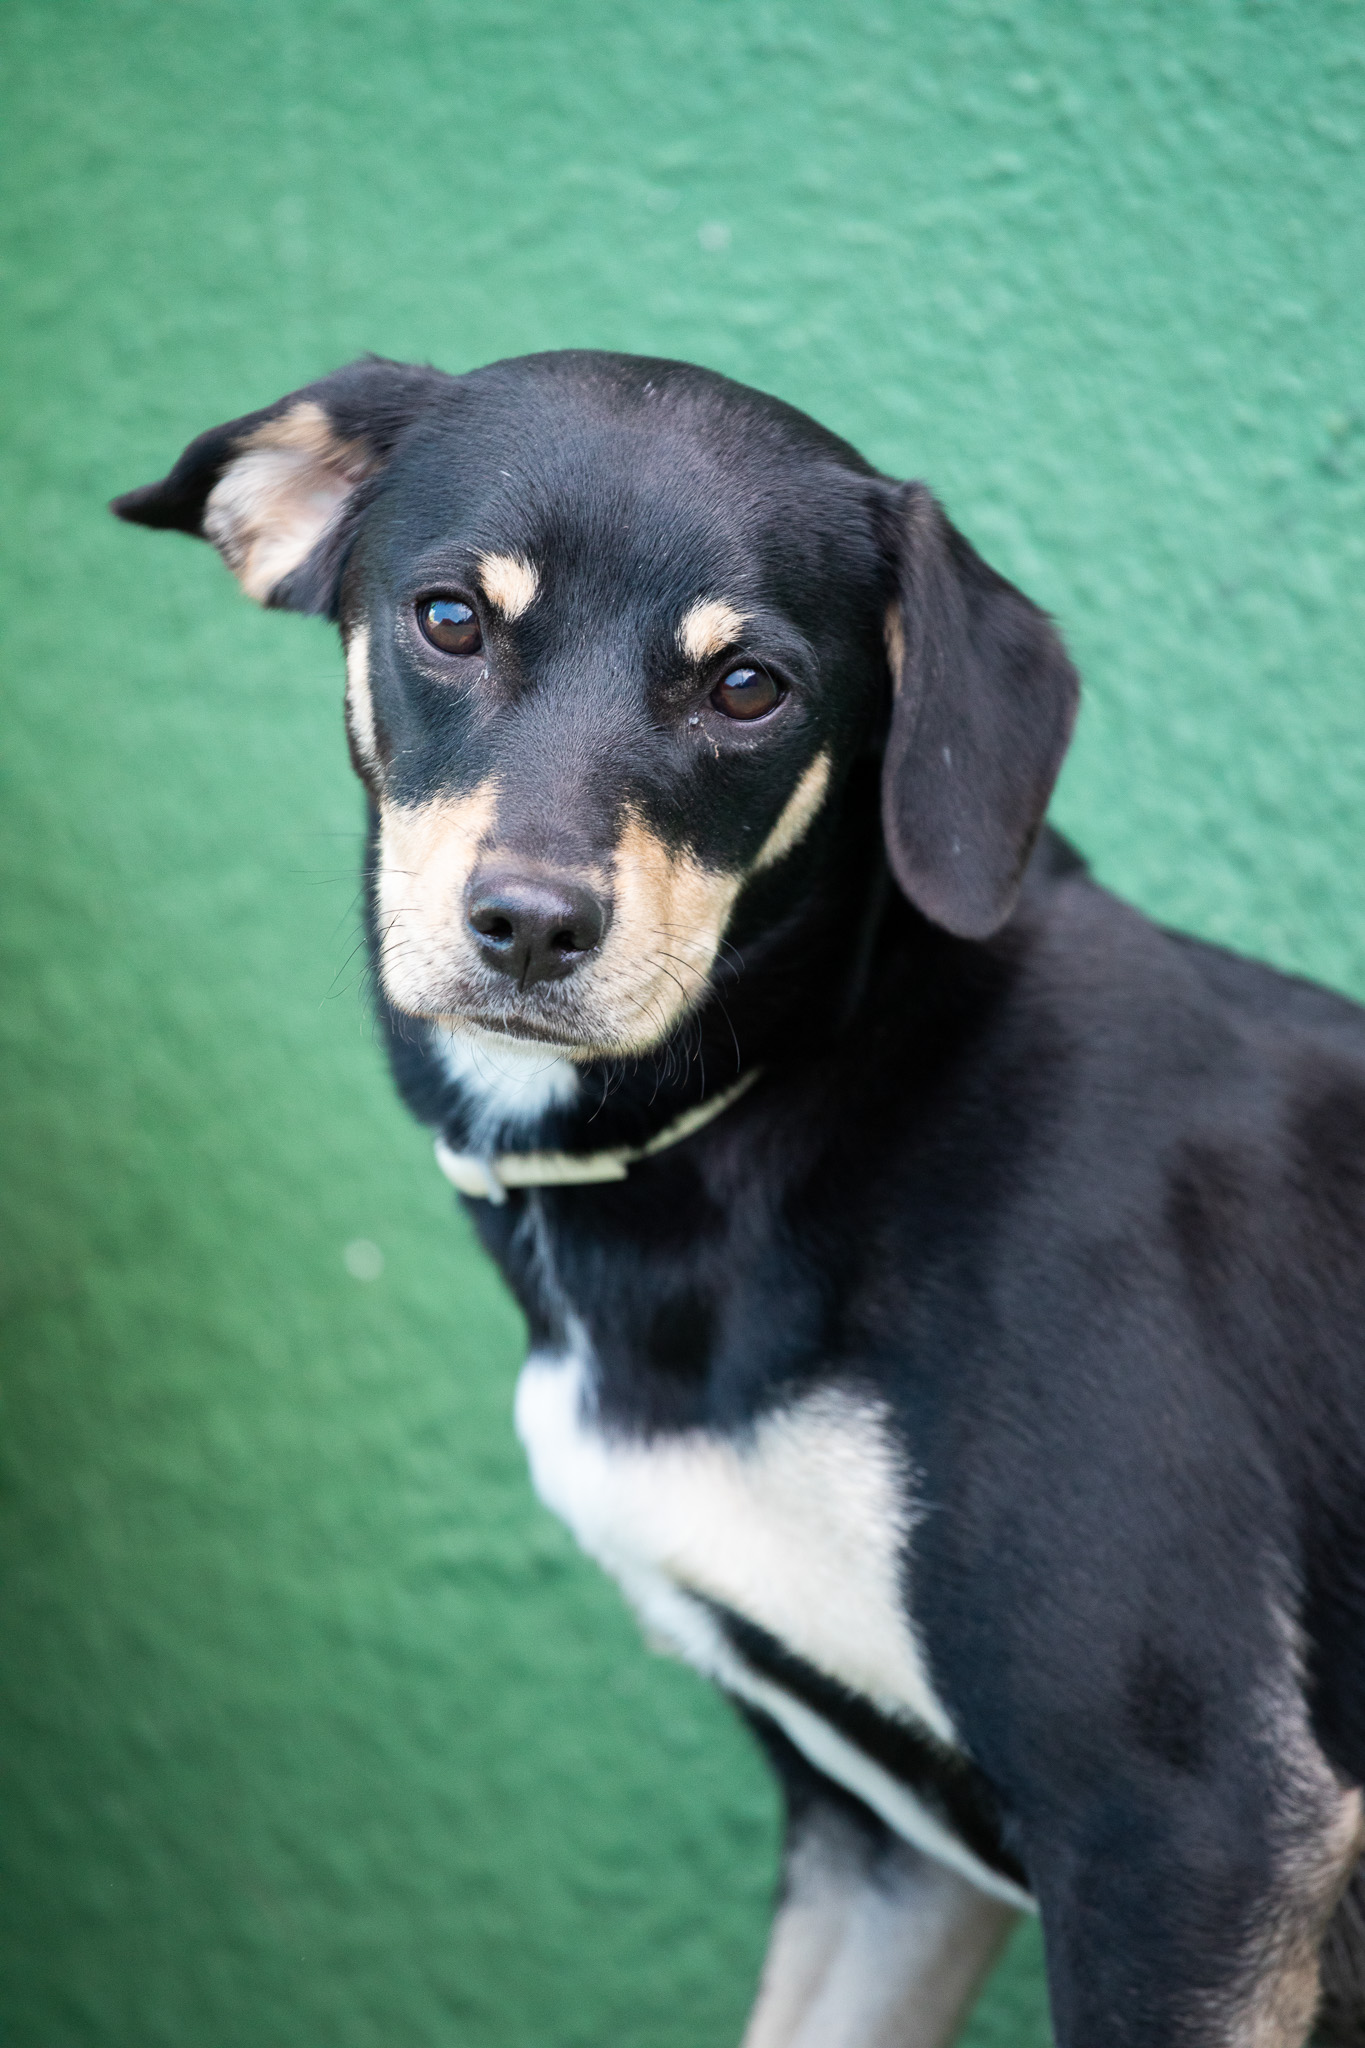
315	1730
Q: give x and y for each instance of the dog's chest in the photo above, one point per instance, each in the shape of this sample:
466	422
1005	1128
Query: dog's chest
801	1527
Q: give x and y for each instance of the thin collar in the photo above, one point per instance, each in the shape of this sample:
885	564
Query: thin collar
487	1178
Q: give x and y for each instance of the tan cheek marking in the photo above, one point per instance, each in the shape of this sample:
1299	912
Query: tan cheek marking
797	813
359	701
708	628
509	583
895	646
670	915
281	492
667	923
426	855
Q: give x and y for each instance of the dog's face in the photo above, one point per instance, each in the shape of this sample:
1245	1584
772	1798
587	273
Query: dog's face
604	665
616	631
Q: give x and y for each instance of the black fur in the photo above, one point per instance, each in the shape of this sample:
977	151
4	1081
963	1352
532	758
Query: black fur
1079	1201
949	1785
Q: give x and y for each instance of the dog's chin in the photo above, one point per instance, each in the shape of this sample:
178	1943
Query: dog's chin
561	1028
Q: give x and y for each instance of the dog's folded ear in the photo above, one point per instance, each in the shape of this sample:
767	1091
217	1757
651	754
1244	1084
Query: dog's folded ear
984	701
276	491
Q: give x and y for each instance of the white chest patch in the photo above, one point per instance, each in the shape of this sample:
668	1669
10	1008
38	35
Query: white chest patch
510	1084
801	1528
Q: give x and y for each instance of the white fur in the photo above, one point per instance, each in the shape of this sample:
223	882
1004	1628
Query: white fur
359	700
510	1082
801	1528
871	1949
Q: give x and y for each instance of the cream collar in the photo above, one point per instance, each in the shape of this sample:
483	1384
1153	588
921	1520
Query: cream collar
488	1177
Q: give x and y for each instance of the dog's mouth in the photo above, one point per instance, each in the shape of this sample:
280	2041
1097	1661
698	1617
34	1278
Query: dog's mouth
555	1018
523	1030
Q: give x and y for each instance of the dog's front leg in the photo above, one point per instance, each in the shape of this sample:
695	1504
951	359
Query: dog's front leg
874	1945
1198	1919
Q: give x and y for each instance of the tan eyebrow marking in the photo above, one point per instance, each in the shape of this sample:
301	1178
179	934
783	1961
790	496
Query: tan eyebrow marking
509	583
709	626
800	807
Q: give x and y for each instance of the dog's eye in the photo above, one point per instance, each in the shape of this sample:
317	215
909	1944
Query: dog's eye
745	693
450	625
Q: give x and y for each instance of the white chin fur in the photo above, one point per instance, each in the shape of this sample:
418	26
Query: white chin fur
509	1083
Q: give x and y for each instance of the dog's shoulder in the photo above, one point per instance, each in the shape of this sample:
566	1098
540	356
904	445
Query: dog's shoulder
1164	1001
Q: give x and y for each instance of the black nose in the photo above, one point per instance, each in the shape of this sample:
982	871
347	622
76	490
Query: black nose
531	927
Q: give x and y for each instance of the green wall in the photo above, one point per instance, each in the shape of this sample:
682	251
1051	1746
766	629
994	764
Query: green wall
315	1729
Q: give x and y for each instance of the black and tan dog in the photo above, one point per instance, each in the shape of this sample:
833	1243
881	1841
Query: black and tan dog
946	1289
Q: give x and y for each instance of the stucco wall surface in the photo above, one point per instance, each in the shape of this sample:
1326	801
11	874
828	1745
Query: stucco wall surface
314	1731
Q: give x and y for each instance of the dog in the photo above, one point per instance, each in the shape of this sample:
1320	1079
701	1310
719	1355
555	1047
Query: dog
945	1288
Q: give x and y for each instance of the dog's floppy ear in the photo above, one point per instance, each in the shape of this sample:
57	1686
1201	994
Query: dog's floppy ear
984	701
274	489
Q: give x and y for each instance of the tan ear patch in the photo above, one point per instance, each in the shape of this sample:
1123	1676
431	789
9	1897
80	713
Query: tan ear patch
426	856
708	628
895	645
797	813
509	583
283	488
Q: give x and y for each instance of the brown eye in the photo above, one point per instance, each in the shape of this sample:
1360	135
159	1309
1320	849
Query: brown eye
745	693
450	625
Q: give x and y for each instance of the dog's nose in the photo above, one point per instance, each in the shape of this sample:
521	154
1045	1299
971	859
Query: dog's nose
533	928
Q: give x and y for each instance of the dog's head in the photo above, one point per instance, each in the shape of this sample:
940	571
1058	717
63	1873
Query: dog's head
617	632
